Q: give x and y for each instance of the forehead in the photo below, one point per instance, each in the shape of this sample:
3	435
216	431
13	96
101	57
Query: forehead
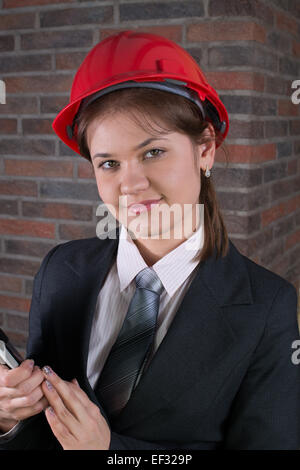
123	128
134	121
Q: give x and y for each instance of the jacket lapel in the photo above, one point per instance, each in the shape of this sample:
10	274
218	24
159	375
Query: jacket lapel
197	340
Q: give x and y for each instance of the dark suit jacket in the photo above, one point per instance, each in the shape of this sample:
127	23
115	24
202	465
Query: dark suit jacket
222	377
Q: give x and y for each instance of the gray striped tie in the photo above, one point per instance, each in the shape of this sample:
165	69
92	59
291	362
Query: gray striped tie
130	352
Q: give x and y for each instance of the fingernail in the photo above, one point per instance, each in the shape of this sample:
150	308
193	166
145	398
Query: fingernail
30	364
47	370
51	410
49	385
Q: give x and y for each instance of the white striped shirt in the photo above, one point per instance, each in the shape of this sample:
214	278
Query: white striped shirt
176	271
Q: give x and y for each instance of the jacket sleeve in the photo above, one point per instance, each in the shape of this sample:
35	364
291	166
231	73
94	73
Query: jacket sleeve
34	432
266	411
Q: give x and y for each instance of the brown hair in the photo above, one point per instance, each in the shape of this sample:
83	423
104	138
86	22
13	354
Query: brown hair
170	113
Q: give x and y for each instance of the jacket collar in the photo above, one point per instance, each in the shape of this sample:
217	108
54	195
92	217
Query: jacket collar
226	278
200	327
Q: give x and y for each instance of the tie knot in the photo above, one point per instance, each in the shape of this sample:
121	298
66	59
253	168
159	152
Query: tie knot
148	279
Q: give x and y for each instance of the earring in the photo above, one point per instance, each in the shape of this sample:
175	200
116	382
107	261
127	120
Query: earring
207	172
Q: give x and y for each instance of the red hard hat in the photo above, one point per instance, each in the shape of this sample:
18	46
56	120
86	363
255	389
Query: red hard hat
136	59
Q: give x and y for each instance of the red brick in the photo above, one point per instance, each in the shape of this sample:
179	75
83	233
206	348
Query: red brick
14	303
281	267
172	32
20	21
18	188
276	85
34	84
55	210
20	246
18	339
274	213
248	153
98	14
286	23
297	148
295	126
17	322
241	8
284	208
292	204
7	43
287	108
296	48
85	170
27	3
292	239
224	80
25	63
74	231
223	31
54	39
18	266
27	227
10	284
28	105
8	126
292	167
37	126
49	168
27	146
69	60
8	206
53	104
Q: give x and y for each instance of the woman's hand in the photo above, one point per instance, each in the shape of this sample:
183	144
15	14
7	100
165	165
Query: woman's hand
74	419
21	394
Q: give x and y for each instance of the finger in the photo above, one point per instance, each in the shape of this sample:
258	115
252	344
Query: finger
60	431
24	413
27	400
24	388
30	384
12	377
82	396
65	416
68	393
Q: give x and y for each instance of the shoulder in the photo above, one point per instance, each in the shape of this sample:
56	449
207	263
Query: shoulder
74	250
79	255
65	249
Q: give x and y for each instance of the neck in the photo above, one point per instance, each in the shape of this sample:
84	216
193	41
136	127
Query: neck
152	250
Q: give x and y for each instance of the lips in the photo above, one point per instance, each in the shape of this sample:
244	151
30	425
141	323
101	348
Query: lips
143	205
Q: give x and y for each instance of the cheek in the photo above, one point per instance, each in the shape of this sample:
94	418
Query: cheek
182	181
106	191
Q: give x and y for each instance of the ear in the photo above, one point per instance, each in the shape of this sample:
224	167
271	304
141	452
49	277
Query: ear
207	150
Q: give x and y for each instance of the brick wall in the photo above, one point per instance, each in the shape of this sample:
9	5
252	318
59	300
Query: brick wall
250	51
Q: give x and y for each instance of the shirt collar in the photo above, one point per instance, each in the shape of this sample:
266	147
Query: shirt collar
173	269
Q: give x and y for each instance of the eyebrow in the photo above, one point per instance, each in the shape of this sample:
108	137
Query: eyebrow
139	146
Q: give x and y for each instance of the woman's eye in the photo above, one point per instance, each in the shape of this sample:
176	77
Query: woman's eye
154	150
105	167
113	161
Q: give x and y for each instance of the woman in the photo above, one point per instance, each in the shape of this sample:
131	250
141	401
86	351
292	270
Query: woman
159	334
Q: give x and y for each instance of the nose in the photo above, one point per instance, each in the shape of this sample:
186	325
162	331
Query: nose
133	180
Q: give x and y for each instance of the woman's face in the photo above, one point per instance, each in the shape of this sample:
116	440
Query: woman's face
164	170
